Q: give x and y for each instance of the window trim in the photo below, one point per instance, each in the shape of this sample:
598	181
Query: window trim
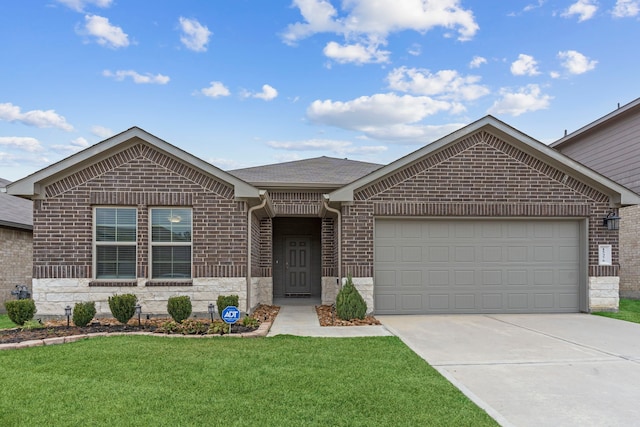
152	244
95	244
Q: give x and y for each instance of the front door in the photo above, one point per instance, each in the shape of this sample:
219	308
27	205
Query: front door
297	266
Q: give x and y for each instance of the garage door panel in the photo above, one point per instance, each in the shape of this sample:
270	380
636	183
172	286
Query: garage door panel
476	266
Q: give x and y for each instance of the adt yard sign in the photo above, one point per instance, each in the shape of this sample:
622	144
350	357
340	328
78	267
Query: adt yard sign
230	314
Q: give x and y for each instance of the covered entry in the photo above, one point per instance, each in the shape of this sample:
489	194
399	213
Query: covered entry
478	266
297	257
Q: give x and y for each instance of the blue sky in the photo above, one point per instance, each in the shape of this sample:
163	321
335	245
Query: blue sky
242	83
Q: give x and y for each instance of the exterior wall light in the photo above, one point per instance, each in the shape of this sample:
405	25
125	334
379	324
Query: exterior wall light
611	221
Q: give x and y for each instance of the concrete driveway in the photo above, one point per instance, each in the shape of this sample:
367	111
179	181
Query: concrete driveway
534	369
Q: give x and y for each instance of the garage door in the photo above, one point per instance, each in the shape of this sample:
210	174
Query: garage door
476	266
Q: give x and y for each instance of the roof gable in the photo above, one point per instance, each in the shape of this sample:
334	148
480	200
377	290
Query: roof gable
33	185
617	194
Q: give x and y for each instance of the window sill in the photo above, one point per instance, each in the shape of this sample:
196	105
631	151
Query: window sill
169	283
113	283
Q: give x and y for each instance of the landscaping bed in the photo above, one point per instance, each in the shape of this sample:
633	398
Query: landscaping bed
327	317
59	328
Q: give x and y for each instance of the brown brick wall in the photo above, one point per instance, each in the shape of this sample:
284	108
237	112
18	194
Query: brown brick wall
143	178
329	248
630	252
16	254
480	176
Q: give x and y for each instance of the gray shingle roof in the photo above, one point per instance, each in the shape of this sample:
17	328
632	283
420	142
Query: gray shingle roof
15	211
321	172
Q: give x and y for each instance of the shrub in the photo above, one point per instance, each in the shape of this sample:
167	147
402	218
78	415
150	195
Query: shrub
83	313
193	327
20	311
179	307
349	303
225	301
250	322
123	307
218	327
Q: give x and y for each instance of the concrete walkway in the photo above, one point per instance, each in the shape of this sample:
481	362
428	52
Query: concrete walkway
302	320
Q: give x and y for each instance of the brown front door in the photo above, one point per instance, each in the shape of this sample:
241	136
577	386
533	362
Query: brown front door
297	266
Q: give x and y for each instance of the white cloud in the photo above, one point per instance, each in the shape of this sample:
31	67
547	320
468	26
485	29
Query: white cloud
24	143
268	93
37	118
477	61
195	36
626	8
530	7
525	65
575	62
137	78
74	146
102	131
370	22
584	9
106	34
79	5
215	90
414	50
356	53
448	84
526	99
334	146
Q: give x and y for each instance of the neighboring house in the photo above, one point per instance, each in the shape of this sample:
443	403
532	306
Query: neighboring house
611	146
16	225
484	220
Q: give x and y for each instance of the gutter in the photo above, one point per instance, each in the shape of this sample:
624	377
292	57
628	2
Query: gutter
263	194
325	202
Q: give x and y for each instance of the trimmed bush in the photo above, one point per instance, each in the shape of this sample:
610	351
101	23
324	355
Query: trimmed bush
179	307
123	307
349	303
225	301
83	313
20	311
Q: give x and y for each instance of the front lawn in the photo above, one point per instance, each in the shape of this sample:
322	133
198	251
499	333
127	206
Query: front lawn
5	323
280	381
629	310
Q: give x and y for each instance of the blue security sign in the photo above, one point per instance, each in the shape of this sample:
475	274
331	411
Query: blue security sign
231	314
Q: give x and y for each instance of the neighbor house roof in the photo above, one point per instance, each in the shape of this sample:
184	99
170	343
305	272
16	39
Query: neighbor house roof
320	172
618	195
629	108
32	185
15	212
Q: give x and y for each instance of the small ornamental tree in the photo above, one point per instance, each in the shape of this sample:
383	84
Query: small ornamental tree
123	307
225	301
83	313
179	307
349	303
20	311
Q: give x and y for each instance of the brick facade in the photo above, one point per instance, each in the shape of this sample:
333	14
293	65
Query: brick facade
630	252
16	253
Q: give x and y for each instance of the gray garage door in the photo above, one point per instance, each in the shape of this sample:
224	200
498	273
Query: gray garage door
476	266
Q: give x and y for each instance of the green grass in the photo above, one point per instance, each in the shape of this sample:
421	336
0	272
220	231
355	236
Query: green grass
5	323
280	381
629	310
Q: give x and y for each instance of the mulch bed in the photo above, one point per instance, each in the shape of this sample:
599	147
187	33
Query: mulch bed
58	328
327	317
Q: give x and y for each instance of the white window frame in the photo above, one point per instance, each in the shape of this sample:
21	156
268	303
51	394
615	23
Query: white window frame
96	244
153	244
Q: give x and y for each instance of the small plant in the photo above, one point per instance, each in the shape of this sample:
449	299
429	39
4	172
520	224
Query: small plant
193	327
179	307
83	313
169	327
250	322
32	324
123	307
20	311
349	303
225	301
218	327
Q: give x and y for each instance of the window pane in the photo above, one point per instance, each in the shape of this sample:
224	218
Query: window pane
171	225
171	262
115	224
116	262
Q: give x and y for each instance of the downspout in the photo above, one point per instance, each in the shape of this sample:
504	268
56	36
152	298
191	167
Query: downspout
339	214
249	244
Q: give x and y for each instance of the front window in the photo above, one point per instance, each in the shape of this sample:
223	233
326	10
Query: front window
170	243
115	243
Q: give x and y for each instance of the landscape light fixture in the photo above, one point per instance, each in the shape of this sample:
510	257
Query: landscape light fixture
67	312
138	312
210	307
611	221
